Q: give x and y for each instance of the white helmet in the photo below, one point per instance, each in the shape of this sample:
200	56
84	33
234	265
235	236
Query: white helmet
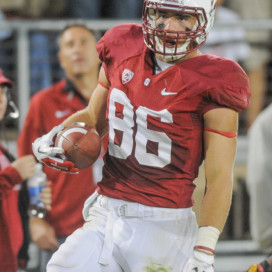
203	10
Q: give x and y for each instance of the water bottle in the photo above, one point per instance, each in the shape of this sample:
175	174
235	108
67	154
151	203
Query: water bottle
35	185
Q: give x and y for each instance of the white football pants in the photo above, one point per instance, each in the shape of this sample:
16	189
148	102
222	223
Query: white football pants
122	236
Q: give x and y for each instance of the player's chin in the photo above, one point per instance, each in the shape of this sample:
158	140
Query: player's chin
79	70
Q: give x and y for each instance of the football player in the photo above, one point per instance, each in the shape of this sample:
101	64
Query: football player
166	107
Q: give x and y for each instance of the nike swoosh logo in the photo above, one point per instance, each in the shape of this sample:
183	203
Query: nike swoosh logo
163	92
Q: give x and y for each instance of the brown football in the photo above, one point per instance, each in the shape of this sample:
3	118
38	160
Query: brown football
81	144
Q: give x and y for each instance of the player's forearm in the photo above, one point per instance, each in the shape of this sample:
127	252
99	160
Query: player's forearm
214	212
89	119
216	202
80	116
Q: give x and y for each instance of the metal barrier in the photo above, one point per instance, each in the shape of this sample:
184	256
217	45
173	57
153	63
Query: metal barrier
23	28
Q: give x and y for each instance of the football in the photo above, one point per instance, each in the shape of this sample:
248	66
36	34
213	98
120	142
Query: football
81	144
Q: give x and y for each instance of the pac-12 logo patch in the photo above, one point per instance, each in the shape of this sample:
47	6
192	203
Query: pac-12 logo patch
127	75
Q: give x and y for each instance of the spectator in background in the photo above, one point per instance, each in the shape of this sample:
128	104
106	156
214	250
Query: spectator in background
259	184
225	41
79	59
256	64
12	173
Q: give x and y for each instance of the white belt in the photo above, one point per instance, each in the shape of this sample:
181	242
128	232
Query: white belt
134	209
121	208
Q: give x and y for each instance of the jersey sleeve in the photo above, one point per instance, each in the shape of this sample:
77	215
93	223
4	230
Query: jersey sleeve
229	88
118	44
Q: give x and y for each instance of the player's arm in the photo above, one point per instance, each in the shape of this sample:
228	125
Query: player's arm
220	149
94	115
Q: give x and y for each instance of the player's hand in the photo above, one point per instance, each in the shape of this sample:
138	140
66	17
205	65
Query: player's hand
199	262
45	152
43	234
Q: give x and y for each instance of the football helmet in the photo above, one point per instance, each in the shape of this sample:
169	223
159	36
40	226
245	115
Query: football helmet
156	38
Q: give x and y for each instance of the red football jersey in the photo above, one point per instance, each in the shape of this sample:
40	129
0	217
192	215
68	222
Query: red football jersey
156	121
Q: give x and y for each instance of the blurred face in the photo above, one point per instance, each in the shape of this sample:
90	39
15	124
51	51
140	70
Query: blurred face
77	53
3	101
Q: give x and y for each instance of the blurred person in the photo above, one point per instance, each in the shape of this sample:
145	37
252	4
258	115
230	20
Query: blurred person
79	59
166	107
259	185
224	41
12	174
257	62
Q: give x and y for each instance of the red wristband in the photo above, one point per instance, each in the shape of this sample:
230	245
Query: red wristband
203	248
